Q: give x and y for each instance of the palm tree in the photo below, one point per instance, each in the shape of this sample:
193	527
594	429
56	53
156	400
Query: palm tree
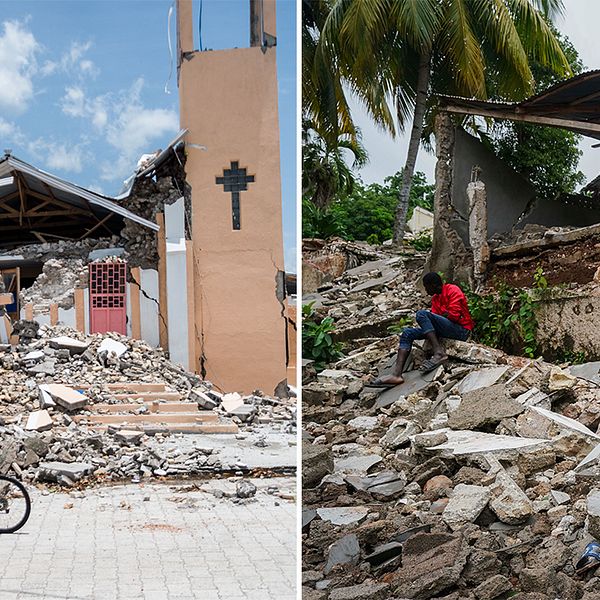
326	173
395	52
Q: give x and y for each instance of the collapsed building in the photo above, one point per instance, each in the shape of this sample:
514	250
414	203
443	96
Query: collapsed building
478	480
189	256
492	226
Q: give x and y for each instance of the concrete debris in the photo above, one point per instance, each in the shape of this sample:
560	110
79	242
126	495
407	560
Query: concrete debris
39	420
492	462
114	408
465	505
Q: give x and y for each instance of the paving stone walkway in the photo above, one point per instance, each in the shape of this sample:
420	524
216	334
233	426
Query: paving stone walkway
154	542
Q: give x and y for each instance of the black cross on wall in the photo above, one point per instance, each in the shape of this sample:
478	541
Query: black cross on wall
235	180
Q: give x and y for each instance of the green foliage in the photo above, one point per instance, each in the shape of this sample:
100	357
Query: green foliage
506	319
369	210
539	279
317	340
422	242
400	325
319	222
326	173
572	357
548	157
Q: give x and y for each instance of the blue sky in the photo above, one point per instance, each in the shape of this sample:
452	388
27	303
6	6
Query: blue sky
82	86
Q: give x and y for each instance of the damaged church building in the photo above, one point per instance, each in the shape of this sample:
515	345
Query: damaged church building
189	256
492	227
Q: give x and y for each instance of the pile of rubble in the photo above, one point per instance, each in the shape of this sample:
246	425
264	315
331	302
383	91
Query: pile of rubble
480	480
108	407
55	284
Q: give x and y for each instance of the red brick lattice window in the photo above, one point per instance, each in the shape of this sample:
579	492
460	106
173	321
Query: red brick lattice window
108	301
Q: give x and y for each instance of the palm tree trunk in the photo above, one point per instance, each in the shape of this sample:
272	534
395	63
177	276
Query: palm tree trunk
413	146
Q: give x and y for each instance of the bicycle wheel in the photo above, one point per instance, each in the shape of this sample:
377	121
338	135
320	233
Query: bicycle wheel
15	505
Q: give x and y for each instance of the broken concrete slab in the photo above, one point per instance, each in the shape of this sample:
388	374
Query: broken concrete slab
494	587
344	551
399	434
589	371
566	422
111	347
343	515
385	485
232	401
465	505
245	412
356	463
534	397
476	442
560	380
366	590
317	461
414	381
431	564
63	472
39	420
509	502
73	345
363	423
128	436
481	378
484	405
65	396
593	513
384	553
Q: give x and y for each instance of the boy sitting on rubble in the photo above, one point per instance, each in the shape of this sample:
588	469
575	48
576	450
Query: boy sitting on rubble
449	318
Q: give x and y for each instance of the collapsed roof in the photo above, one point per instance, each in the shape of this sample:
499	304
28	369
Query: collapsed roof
38	206
572	104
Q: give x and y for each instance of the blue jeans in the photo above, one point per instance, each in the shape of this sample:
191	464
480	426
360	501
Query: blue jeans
428	322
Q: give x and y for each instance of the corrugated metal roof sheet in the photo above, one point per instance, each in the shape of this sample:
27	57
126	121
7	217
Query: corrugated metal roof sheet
68	192
575	101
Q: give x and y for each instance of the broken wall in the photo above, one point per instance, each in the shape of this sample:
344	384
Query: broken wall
148	197
567	323
508	193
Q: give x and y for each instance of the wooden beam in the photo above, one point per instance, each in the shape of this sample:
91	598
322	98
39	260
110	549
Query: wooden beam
134	290
22	198
581	126
163	309
98	224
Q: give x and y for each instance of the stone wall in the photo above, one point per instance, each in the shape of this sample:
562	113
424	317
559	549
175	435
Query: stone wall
567	322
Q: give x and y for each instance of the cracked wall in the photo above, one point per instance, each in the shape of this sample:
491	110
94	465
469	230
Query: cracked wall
228	103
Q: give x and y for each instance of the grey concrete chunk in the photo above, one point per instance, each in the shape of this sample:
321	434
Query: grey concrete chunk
39	420
485	405
465	505
509	502
481	378
343	515
71	344
345	551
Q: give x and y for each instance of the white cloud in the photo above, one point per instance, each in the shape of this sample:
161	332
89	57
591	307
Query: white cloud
72	62
126	124
18	50
59	156
133	128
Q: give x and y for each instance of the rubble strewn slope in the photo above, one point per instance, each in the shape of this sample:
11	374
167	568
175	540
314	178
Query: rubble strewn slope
106	407
477	481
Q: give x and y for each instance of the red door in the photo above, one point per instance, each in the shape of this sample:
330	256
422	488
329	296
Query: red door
108	304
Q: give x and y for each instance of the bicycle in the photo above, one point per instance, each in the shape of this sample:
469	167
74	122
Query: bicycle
15	505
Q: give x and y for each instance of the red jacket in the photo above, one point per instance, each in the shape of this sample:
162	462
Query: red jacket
452	304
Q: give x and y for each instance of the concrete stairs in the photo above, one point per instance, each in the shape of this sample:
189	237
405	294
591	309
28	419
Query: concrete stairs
150	408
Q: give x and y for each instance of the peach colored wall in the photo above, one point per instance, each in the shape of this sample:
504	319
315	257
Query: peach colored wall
228	102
